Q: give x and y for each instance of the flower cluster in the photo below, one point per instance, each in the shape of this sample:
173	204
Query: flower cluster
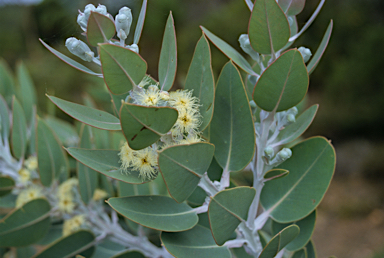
184	131
66	195
73	224
29	194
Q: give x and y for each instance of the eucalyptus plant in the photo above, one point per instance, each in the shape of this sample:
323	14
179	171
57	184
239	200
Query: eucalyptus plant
169	161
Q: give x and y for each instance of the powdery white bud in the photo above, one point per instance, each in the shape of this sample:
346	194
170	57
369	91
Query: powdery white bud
285	154
82	18
80	49
134	48
269	152
291	118
245	44
123	22
306	53
102	9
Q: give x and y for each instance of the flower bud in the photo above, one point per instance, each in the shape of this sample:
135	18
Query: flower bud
82	18
245	44
102	9
284	154
306	53
269	152
291	118
123	22
134	48
80	49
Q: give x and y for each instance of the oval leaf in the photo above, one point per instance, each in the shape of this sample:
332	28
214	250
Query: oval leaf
143	126
19	130
80	242
320	50
106	162
229	51
295	196
52	161
227	209
232	130
200	80
168	56
182	167
129	254
100	28
26	225
306	225
283	84
293	131
279	241
87	177
156	212
64	130
122	68
268	27
70	61
7	83
87	115
275	173
197	242
6	185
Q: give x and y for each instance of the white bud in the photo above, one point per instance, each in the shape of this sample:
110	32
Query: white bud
123	22
102	9
269	152
291	118
82	18
285	154
134	48
80	49
306	53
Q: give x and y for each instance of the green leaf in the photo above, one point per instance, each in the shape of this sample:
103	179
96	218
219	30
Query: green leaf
65	131
4	120
275	173
279	241
19	130
129	254
320	50
27	91
25	225
229	51
106	162
143	126
90	116
292	7
54	233
295	196
283	84
70	61
7	83
87	177
197	242
240	253
107	248
268	27
293	131
52	161
32	133
168	56
156	212
232	129
100	28
182	167
8	201
311	251
122	68
306	225
81	242
6	185
300	254
140	22
227	210
25	252
200	80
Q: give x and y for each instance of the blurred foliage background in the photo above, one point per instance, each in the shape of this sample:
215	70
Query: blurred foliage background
348	85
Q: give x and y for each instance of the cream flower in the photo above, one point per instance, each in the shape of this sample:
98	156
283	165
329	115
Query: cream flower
145	162
24	175
74	224
28	194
